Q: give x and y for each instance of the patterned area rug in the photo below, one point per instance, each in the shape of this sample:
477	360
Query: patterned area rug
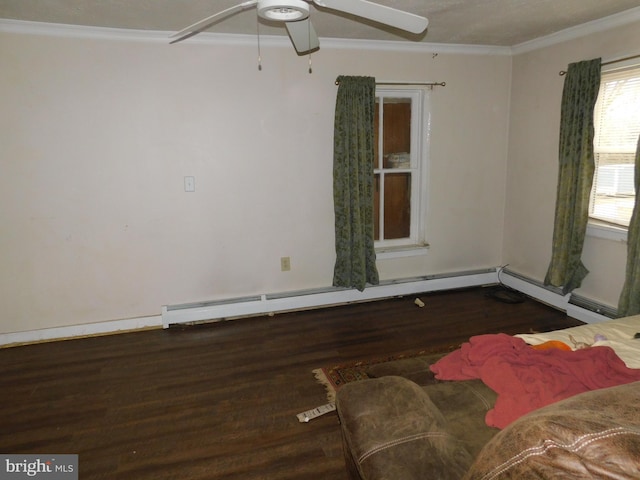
412	365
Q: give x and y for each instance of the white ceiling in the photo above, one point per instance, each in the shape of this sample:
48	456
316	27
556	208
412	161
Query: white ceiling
469	22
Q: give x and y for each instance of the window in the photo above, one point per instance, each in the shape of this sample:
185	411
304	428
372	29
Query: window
401	143
617	127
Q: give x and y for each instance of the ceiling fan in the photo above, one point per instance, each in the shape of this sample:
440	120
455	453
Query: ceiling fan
295	15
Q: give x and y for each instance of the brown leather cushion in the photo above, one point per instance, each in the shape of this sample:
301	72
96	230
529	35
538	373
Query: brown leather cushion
464	406
591	435
393	429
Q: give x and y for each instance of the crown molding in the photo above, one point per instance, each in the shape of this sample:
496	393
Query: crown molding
420	47
208	38
595	26
79	31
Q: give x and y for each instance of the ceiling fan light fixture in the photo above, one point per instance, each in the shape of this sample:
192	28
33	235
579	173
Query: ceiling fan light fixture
283	10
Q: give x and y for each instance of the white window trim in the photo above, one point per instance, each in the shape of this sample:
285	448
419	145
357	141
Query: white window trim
608	232
400	252
420	141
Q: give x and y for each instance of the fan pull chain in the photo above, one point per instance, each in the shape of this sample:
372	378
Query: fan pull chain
309	40
259	53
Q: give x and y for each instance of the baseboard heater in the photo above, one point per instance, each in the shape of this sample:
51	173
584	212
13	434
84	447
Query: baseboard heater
576	306
578	301
192	313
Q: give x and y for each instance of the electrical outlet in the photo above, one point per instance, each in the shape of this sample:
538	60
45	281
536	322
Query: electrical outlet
285	264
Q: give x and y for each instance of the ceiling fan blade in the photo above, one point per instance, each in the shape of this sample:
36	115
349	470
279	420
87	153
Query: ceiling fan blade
202	24
303	36
378	13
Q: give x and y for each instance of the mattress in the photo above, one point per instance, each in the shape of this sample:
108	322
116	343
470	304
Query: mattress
617	334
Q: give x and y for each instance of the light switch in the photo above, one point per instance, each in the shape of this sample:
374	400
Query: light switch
189	184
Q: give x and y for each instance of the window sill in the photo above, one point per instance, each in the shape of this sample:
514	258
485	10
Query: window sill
399	252
607	232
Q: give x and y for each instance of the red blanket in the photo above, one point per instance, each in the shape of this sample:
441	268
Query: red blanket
525	378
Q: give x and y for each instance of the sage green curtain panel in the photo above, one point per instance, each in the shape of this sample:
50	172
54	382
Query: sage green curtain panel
353	155
629	303
575	176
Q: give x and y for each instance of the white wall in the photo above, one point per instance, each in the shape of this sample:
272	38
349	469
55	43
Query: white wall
97	135
533	161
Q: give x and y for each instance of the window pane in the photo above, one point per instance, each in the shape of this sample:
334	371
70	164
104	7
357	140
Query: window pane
618	113
396	142
613	194
376	130
398	167
617	126
397	205
376	207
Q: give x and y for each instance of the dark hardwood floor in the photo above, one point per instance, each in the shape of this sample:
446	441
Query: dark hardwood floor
220	400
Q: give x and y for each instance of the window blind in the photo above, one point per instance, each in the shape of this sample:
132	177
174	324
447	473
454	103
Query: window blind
617	128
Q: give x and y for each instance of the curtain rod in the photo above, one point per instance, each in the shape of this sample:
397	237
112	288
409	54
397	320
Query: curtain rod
426	84
563	72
